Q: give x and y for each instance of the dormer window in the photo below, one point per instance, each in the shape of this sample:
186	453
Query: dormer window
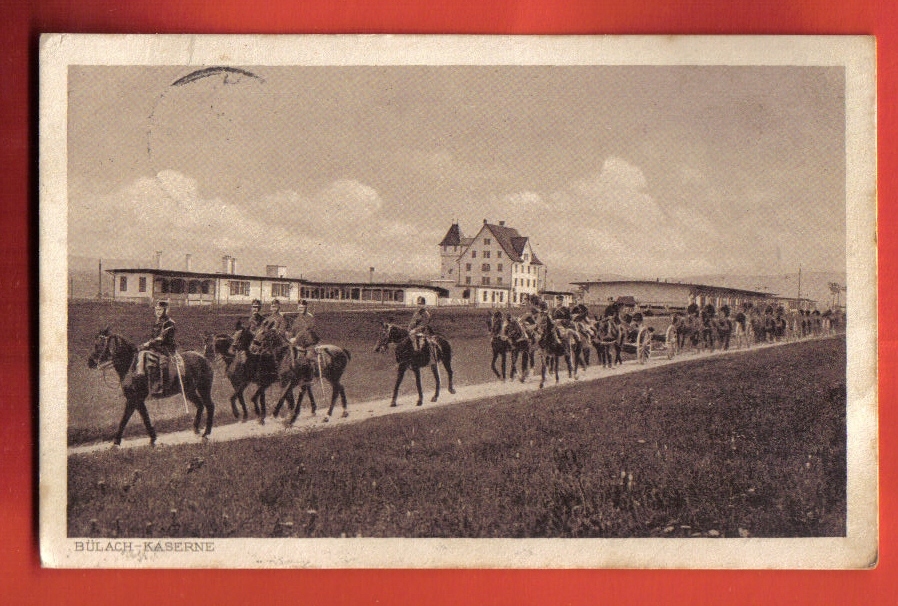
473	254
487	241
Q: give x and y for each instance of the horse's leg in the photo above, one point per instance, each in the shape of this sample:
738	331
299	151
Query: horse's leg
436	377
543	362
417	372
504	364
130	405
145	416
493	363
287	397
514	362
400	374
302	392
259	402
447	364
234	399
335	393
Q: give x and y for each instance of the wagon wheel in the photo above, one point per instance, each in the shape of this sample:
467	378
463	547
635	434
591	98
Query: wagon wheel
643	345
670	341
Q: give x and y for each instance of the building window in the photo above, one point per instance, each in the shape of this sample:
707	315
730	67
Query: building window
178	286
142	284
473	254
239	288
280	289
487	241
501	297
499	254
485	295
486	254
450	271
499	267
499	280
485	267
467	279
467	267
485	280
123	283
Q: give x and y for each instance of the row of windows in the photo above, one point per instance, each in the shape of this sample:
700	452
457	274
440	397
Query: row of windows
484	267
497	297
178	286
486	254
336	293
524	282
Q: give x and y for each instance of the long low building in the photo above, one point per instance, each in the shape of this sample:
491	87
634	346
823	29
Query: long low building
201	288
677	295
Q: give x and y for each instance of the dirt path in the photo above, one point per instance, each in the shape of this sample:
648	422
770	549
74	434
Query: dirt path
362	411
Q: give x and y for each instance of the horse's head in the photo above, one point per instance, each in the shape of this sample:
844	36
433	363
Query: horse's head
265	340
102	350
389	333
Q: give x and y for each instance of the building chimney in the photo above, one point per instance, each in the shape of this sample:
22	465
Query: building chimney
158	259
484	221
501	223
226	264
233	265
187	262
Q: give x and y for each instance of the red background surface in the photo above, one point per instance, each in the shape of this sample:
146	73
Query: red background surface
21	578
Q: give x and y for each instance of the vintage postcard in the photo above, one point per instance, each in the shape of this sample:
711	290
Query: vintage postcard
458	301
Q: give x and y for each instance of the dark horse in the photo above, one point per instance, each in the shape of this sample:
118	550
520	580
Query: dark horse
607	341
326	363
514	341
436	350
243	367
556	342
197	382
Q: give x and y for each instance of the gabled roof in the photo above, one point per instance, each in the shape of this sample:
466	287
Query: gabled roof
453	237
513	243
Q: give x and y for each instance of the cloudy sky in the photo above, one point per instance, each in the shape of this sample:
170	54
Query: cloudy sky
639	171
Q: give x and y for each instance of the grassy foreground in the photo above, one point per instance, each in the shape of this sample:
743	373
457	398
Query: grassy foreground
746	445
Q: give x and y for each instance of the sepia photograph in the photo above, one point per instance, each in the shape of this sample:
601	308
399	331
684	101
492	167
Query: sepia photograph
458	301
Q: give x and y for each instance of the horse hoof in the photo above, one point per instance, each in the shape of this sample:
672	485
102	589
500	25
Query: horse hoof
451	390
420	403
433	399
325	419
262	421
345	414
393	405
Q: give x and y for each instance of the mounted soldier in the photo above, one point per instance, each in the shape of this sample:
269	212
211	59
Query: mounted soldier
254	322
419	326
153	357
304	338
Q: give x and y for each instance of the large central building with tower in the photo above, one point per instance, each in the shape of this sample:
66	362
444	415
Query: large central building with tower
495	268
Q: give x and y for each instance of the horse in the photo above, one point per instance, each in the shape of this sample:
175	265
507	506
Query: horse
741	331
607	341
242	367
514	341
556	342
195	382
436	350
328	363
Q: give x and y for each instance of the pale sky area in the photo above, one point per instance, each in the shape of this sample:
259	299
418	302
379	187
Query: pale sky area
639	171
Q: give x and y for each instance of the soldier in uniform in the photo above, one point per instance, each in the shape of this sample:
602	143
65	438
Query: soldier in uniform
255	317
162	343
419	326
275	321
304	336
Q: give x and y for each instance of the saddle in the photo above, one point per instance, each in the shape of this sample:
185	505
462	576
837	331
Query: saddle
162	373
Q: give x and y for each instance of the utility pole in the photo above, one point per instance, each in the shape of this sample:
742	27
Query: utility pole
99	279
799	280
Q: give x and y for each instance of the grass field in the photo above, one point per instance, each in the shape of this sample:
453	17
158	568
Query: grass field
747	445
95	401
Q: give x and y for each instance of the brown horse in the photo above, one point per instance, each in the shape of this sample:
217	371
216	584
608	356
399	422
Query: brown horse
512	340
242	367
196	380
436	351
325	363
